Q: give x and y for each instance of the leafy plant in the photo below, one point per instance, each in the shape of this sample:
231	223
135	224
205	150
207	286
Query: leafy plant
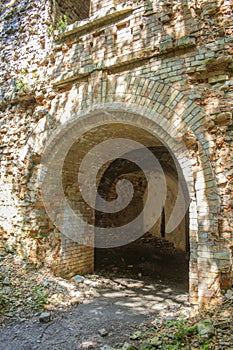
206	344
39	297
62	23
21	85
181	331
174	346
50	30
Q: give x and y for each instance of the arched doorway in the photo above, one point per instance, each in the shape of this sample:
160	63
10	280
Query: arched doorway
82	134
173	242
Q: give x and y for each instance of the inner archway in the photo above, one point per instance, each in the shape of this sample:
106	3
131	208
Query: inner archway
155	248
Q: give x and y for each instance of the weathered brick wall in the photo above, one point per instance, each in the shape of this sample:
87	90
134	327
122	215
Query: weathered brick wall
24	103
24	60
163	65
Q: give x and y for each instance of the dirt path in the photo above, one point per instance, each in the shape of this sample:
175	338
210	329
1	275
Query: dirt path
136	284
119	311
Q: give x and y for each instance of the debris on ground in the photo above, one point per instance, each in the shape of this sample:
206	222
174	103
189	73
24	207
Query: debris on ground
36	297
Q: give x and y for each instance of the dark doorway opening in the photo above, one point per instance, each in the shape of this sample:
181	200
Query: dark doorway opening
156	255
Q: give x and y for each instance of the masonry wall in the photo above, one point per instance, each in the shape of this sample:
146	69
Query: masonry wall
26	60
169	61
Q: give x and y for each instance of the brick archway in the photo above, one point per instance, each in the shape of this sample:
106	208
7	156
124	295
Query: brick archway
172	117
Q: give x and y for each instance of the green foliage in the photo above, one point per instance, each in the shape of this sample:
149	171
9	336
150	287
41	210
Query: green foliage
60	25
25	81
35	75
180	332
51	30
9	248
39	297
21	85
183	331
10	300
174	346
205	345
24	72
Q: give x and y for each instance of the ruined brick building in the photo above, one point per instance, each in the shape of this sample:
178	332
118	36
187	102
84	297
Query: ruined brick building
157	72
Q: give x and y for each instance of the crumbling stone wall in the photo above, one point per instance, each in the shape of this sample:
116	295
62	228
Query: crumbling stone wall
157	65
24	63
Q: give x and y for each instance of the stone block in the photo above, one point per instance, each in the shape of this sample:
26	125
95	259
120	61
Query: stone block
224	118
218	78
185	41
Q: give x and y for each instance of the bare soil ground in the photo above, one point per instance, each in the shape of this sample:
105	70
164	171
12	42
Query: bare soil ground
134	294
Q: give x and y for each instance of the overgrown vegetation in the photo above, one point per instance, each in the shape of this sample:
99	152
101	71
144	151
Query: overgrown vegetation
180	333
13	298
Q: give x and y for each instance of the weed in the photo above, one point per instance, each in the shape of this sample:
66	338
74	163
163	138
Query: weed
21	85
181	331
60	25
205	345
51	30
39	297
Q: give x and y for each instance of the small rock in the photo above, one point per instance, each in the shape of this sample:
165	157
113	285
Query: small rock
78	278
103	332
229	294
205	329
77	294
45	317
6	281
76	301
88	345
89	283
